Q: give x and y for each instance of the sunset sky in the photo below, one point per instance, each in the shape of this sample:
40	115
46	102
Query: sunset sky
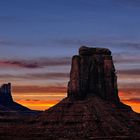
39	37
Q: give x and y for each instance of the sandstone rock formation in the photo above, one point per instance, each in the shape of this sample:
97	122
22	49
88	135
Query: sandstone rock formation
5	94
7	103
93	72
92	109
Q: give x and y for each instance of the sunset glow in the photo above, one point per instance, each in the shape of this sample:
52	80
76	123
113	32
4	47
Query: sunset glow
131	99
38	104
39	38
42	101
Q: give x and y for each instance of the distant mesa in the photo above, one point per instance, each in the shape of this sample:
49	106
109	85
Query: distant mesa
7	103
5	94
92	108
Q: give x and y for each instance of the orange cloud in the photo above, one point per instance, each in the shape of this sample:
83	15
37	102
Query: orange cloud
37	104
41	97
38	97
135	105
131	98
39	89
127	93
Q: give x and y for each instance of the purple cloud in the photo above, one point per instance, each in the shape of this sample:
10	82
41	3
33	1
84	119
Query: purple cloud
36	63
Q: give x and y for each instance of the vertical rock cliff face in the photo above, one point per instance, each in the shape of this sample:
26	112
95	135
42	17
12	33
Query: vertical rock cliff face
5	94
93	73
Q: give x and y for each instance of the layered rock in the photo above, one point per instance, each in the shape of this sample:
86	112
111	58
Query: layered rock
93	73
88	119
5	94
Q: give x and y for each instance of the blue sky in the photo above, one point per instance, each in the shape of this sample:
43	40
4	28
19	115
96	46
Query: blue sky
40	36
44	26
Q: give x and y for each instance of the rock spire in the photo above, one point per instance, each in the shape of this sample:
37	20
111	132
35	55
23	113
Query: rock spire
93	73
5	94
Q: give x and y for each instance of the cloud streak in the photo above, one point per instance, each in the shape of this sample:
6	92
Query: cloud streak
25	19
37	76
39	89
48	76
129	92
8	42
128	3
126	58
129	71
100	41
8	19
132	100
114	42
35	63
37	104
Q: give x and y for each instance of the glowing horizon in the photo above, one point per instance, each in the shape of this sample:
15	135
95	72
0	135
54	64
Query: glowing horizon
43	101
46	104
38	39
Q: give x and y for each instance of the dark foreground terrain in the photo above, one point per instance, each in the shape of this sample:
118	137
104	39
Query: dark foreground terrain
90	119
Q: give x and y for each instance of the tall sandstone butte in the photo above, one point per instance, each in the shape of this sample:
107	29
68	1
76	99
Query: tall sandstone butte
92	109
93	73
